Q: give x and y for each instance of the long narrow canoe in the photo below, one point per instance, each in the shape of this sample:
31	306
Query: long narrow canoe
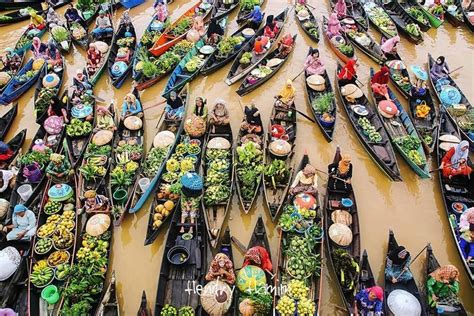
453	12
333	203
244	11
344	55
310	24
468	18
381	151
152	170
18	4
20	14
403	21
109	304
215	212
399	74
252	82
25	41
435	21
457	191
221	9
414	9
401	127
354	9
79	32
462	120
6	121
410	286
238	71
13	70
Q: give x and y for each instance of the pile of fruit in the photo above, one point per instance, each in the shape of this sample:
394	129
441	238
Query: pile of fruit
218	175
182	160
170	310
302	262
42	274
62	271
380	18
297	291
161	212
369	130
43	245
58	257
93	248
52	207
63	239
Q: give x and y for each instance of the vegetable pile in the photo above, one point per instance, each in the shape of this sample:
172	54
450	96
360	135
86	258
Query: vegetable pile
411	146
78	128
401	80
249	168
60	34
78	32
369	130
194	64
182	26
246	58
346	267
413	29
150	36
417	15
128	154
154	160
323	103
44	98
276	173
42	158
217	181
227	45
380	18
248	5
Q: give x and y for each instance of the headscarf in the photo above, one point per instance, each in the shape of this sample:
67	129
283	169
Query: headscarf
198	24
340	7
443	274
348	71
309	171
36	46
377	291
288	91
459	154
334	26
161	11
222	112
399	256
214	28
176	103
130	98
381	76
52	50
19	208
442	60
259	256
344	164
287	40
56	158
3	147
256	14
79	73
390	44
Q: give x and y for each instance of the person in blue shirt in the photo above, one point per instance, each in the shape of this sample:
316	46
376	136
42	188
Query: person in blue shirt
131	106
370	301
255	17
23	225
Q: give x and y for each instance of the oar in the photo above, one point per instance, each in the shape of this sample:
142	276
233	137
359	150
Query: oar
243	249
155	105
298	111
407	267
330	175
448	165
454	70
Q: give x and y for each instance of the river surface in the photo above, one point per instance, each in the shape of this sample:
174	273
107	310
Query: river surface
413	208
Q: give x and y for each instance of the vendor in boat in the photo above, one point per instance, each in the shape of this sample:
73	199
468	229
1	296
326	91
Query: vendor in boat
419	88
36	21
161	11
52	18
440	69
200	108
53	55
340	8
466	242
379	82
286	96
189	210
348	73
59	169
467	218
6	153
214	32
455	161
219	115
71	14
105	120
103	26
340	175
334	26
306	181
271	28
313	63
443	286
23	225
198	26
57	108
221	268
397	266
7	179
253	122
258	256
389	47
369	301
468	6
174	107
80	78
94	58
285	46
131	106
96	203
38	48
260	45
11	60
255	17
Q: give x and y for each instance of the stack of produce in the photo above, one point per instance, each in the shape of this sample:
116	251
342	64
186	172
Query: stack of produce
369	130
380	18
127	156
410	145
276	173
217	182
249	168
227	46
254	297
61	35
36	67
296	299
96	158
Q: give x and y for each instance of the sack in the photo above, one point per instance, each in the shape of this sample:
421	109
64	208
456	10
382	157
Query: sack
32	172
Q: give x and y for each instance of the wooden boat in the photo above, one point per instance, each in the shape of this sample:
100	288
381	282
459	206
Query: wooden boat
312	95
109	305
143	310
415	10
381	152
215	61
15	144
309	25
41	106
366	276
282	277
409	286
435	20
17	85
467	20
18	15
245	11
398	127
386	26
459	120
108	39
89	14
163	181
453	12
77	144
342	40
432	265
246	86
26	39
215	213
355	31
16	4
402	20
399	76
220	9
355	10
237	71
65	46
12	71
119	159
276	192
82	37
6	121
181	75
457	191
36	305
174	279
154	174
120	35
246	202
168	40
332	203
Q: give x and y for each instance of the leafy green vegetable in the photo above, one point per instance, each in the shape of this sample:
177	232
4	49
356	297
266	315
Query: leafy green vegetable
323	103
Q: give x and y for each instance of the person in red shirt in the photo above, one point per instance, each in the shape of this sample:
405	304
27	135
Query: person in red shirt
260	43
348	72
258	256
5	153
271	27
379	82
454	163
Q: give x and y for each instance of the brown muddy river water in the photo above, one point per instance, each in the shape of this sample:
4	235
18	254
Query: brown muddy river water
413	208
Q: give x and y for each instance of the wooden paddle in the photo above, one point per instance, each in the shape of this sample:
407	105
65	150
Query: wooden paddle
244	249
454	70
155	105
448	165
299	112
330	175
407	267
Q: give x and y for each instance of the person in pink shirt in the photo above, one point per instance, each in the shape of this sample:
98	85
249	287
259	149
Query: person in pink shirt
334	26
313	64
340	8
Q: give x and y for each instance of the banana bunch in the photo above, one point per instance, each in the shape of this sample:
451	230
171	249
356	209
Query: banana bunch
98	160
42	274
123	158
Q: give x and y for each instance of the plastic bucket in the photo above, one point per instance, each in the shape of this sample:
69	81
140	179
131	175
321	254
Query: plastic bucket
144	183
50	294
120	196
25	191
